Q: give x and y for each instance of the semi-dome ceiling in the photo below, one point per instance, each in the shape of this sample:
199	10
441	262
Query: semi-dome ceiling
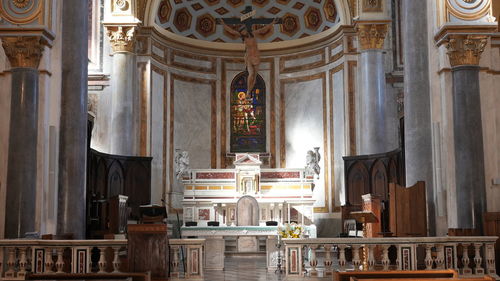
196	18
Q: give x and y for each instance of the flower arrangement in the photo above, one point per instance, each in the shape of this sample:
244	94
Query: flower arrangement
291	230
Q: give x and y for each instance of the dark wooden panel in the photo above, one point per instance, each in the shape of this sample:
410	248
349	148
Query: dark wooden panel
491	227
408	205
148	249
372	174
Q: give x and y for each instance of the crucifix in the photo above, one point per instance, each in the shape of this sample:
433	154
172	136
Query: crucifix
247	34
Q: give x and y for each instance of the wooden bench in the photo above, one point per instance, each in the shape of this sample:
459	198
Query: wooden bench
395	274
484	278
134	276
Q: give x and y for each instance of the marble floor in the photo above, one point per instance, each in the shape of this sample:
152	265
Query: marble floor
247	268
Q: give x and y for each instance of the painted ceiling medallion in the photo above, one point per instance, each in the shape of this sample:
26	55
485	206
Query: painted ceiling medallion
182	19
469	1
313	18
290	24
205	25
330	10
21	3
164	11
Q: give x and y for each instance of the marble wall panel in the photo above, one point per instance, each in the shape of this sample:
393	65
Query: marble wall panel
339	134
192	62
304	128
303	61
157	130
192	115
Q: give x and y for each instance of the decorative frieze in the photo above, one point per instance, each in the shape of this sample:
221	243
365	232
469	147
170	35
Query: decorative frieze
122	38
371	36
465	49
23	51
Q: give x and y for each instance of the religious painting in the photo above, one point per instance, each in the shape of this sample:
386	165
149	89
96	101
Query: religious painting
248	115
203	214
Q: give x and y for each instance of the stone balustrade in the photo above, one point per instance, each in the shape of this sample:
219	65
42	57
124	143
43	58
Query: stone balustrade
19	257
188	255
470	255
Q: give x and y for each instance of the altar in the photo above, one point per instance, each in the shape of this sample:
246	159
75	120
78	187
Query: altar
215	237
245	206
282	195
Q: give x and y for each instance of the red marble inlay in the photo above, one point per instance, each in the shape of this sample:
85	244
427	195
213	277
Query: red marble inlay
225	175
280	175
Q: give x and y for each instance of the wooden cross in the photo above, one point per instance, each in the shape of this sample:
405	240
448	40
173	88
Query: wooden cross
247	19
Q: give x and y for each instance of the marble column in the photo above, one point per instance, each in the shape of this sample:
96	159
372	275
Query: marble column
464	52
377	133
417	108
24	53
123	109
71	216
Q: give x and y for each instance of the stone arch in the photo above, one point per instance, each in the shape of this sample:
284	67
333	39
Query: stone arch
247	211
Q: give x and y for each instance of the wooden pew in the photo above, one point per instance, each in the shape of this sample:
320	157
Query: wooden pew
397	274
484	278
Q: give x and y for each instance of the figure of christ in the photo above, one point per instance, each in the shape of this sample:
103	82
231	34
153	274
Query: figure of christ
252	56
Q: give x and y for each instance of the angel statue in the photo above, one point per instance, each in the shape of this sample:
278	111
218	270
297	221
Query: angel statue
312	162
181	163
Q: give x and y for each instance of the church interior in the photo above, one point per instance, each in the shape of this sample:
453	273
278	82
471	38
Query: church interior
185	139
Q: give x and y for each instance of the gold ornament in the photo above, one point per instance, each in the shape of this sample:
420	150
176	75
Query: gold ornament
21	3
122	38
371	36
23	51
465	49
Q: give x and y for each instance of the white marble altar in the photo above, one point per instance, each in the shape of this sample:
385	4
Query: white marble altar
282	195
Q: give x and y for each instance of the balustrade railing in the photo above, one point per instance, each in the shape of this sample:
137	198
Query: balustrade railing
186	258
469	255
20	257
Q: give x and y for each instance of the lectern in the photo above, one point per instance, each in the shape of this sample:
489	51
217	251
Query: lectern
364	217
148	249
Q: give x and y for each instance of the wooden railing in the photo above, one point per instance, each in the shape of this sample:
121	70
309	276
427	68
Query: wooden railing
187	258
471	256
19	257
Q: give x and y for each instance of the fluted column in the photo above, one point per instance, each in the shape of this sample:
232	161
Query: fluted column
376	132
464	52
417	107
24	53
123	109
71	216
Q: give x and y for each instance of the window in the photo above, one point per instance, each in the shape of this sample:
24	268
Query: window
248	115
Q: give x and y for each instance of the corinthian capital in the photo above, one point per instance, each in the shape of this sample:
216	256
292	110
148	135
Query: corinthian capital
371	36
122	38
23	51
465	49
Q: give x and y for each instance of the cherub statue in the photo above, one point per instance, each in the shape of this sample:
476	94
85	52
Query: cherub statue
312	162
181	163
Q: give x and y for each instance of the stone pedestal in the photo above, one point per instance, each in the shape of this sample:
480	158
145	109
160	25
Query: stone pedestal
214	252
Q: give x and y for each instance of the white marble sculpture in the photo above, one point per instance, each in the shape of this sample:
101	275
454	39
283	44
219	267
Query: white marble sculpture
181	163
312	162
